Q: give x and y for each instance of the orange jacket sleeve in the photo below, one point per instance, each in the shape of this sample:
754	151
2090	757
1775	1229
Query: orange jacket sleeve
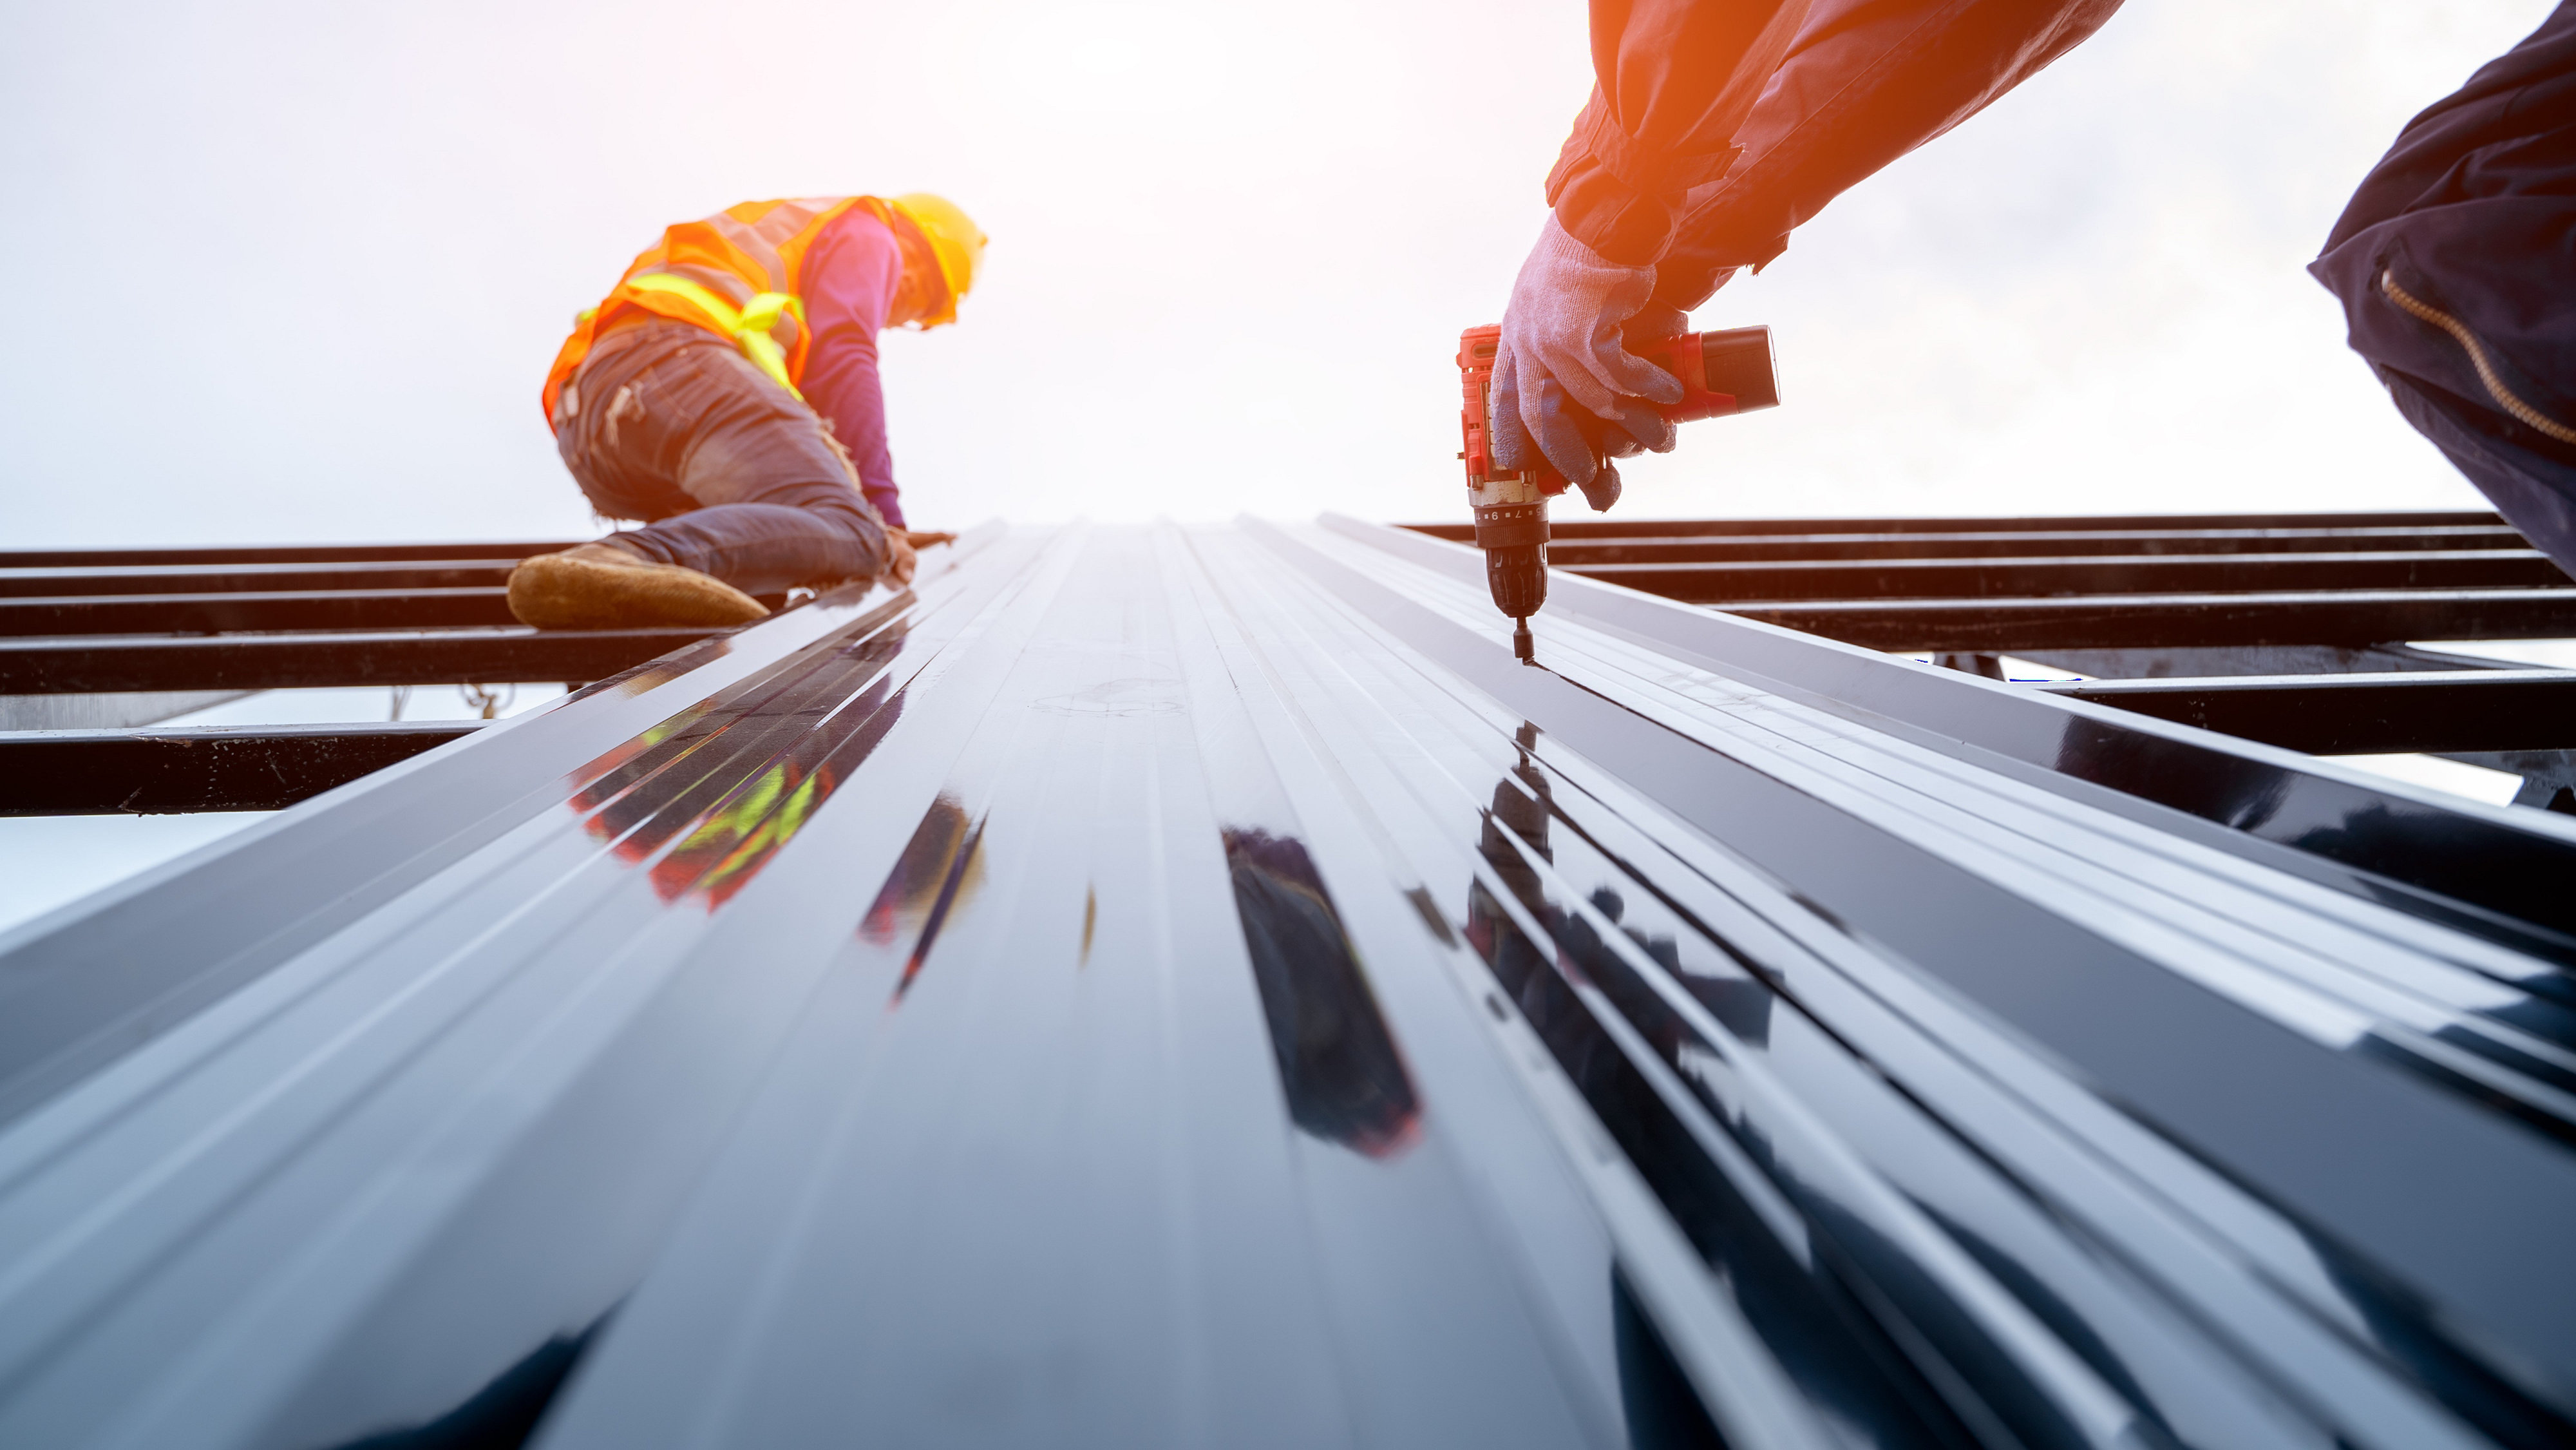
1716	126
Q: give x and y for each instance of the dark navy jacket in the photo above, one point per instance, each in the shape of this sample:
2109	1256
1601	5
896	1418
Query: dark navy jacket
2456	263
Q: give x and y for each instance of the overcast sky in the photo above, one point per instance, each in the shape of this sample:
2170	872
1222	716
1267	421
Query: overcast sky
295	270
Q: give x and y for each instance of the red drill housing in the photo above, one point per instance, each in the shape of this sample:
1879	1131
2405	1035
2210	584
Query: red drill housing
1720	373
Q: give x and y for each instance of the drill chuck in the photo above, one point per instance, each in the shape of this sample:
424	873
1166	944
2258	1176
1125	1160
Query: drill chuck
1720	373
1514	538
1518	578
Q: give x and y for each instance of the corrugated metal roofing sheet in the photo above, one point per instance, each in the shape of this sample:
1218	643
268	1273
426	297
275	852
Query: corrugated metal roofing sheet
1188	986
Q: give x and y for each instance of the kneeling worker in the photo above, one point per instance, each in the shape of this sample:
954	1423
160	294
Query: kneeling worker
726	394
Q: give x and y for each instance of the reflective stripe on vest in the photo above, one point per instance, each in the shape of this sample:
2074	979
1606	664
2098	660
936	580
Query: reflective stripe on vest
749	328
734	273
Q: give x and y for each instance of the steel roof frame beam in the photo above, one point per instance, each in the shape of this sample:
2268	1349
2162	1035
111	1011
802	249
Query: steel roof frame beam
1614	549
254	611
203	768
2079	576
1581	528
2432	712
274	554
289	661
2209	661
2031	627
449	572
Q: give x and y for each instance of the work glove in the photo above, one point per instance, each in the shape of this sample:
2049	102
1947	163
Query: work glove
1637	428
1565	385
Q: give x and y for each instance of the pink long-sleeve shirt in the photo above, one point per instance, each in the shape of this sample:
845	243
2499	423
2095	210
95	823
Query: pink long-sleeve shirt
848	281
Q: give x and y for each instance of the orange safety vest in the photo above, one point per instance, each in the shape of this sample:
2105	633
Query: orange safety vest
734	274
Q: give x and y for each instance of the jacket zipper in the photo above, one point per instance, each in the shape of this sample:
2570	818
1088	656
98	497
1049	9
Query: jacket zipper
2487	374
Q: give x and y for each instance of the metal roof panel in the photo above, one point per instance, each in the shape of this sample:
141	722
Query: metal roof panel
1189	985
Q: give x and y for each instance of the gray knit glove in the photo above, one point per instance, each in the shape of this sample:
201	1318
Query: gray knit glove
1562	358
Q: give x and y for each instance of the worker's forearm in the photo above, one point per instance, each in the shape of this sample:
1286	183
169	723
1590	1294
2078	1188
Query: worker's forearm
1864	83
887	502
1861	83
1673	81
841	383
849	281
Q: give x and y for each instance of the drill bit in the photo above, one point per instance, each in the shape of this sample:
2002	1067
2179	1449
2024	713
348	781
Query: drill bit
1523	648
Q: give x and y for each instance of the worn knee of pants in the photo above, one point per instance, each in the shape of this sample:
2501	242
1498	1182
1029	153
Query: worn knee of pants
737	477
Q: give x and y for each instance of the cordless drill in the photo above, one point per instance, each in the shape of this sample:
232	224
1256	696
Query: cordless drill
1720	372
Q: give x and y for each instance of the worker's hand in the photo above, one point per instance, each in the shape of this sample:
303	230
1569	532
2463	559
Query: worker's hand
922	539
1635	427
1646	429
1565	385
901	561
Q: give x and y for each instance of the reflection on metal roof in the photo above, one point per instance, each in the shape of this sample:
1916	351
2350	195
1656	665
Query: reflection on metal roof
1190	987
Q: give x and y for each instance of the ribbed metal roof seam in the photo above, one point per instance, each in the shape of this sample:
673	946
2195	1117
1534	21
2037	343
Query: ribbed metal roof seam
395	946
2513	1160
2203	1388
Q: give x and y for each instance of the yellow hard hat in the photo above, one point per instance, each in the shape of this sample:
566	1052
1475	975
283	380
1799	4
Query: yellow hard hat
954	239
